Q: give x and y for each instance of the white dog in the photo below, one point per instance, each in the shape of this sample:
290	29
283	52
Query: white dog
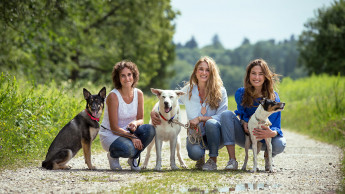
259	118
168	108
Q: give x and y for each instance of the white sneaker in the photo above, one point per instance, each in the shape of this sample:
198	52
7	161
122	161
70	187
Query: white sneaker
131	161
232	165
114	163
209	165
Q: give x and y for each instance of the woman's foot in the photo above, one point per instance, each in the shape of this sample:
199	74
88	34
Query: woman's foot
232	165
209	165
114	163
200	163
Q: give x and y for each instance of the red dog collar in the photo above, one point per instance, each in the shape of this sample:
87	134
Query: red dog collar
92	118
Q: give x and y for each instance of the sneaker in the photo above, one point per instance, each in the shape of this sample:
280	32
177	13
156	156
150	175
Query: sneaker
209	165
114	163
131	161
200	163
232	165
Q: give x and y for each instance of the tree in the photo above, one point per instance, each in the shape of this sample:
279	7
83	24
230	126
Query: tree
216	42
84	39
191	43
322	44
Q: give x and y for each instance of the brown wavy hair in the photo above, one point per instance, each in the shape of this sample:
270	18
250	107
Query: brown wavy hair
118	67
270	84
213	85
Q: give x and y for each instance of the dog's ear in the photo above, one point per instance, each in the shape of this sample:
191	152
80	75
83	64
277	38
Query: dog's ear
102	93
262	101
86	93
180	92
156	92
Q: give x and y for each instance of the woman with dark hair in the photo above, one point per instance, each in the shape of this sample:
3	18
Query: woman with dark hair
123	132
259	82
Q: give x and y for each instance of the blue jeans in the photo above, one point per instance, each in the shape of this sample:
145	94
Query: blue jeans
213	141
233	132
124	148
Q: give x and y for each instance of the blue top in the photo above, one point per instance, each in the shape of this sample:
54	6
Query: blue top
246	112
193	106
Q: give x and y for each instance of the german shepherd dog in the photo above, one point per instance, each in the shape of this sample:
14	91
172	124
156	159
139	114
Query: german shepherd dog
78	133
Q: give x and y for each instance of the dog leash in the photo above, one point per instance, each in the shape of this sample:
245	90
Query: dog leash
193	137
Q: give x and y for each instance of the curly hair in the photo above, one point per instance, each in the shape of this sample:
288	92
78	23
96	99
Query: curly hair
119	67
213	85
271	82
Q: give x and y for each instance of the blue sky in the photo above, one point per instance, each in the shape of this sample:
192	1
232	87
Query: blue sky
234	20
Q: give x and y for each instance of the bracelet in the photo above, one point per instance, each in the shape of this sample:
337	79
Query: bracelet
199	119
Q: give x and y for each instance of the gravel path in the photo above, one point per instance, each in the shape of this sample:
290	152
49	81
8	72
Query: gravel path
305	166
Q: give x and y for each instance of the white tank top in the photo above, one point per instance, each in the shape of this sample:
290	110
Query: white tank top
126	114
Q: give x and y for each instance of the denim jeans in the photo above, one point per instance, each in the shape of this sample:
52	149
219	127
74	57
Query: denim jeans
124	148
233	133
213	140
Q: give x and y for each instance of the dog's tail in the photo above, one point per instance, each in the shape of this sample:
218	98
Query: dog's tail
62	156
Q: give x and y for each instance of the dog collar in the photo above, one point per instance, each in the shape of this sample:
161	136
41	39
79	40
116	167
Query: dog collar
92	118
165	118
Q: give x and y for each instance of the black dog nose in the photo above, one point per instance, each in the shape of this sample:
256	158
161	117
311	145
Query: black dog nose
166	103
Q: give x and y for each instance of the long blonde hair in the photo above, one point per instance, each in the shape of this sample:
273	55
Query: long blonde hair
213	85
270	83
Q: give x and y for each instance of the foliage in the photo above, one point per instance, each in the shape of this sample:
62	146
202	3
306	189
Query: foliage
281	56
322	44
32	115
84	39
314	110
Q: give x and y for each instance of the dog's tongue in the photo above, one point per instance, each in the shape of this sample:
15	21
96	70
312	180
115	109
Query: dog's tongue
94	113
167	110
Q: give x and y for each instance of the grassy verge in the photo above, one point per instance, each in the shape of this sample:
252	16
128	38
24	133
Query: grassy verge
32	115
315	106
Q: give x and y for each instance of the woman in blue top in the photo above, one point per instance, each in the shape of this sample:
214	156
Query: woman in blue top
205	100
259	82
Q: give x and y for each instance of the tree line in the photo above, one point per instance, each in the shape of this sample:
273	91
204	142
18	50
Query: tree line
82	40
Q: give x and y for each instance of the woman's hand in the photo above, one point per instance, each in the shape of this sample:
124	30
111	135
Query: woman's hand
155	118
245	126
194	123
132	126
137	143
264	132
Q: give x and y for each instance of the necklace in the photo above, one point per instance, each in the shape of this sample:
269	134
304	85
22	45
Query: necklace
203	108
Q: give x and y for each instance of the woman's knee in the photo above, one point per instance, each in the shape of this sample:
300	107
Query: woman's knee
147	130
195	154
227	115
279	146
212	124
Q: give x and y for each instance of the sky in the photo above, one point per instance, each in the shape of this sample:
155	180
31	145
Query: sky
234	20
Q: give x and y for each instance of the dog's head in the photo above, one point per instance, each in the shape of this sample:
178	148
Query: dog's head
167	98
271	105
95	103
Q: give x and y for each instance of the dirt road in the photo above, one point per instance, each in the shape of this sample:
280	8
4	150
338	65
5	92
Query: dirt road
305	166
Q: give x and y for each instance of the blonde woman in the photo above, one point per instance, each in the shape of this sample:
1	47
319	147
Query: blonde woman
259	83
205	100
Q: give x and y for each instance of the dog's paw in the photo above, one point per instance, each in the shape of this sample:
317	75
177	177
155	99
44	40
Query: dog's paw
244	168
184	166
92	168
174	167
143	166
158	168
